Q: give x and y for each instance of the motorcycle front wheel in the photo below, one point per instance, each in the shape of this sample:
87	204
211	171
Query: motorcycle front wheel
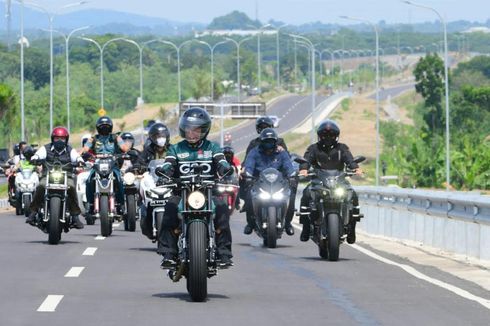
333	221
27	205
197	283
130	220
270	239
105	221
54	226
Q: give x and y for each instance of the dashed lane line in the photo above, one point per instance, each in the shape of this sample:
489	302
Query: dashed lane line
99	237
90	251
74	272
50	303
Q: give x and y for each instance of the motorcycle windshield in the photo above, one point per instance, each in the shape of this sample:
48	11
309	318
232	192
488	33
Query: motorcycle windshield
329	177
153	165
104	166
26	174
271	180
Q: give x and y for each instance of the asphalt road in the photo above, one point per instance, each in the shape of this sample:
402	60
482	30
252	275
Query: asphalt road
291	110
392	91
122	284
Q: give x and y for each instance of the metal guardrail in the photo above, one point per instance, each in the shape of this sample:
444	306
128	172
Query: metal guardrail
238	110
468	207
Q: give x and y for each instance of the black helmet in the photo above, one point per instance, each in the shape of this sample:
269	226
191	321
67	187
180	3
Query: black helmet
268	140
263	122
229	153
104	125
159	135
328	133
192	119
16	149
28	152
128	137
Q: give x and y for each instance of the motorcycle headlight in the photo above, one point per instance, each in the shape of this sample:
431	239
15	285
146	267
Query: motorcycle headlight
339	192
229	188
278	195
196	200
264	195
151	194
57	176
221	189
129	178
104	167
160	191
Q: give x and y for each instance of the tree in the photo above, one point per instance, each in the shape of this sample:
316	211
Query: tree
7	109
429	74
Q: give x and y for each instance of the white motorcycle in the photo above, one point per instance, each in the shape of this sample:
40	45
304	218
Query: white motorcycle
26	182
155	194
82	197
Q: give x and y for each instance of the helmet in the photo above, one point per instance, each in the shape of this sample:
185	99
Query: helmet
16	149
328	133
229	152
190	121
60	132
268	140
263	122
104	125
28	152
128	137
85	138
159	135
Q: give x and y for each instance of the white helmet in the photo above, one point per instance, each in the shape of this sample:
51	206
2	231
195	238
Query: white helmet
85	138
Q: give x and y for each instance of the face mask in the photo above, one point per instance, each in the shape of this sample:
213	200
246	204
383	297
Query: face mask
59	145
161	141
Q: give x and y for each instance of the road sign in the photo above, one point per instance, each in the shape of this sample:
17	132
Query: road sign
101	112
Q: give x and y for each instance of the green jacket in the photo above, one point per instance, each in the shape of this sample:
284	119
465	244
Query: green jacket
183	157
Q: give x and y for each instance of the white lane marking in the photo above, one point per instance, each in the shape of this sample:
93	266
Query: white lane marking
116	225
99	237
74	272
49	304
90	251
412	271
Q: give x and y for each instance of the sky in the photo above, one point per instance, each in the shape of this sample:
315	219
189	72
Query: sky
294	11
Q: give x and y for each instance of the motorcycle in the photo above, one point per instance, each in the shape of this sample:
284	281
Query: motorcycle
53	219
105	198
131	182
154	193
26	181
82	177
270	198
227	190
332	200
196	244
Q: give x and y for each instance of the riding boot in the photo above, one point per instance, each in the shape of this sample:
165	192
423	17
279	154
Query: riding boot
305	220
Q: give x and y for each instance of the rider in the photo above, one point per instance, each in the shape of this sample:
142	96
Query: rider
234	161
14	163
87	156
158	144
194	126
260	124
57	151
267	155
105	143
132	161
329	154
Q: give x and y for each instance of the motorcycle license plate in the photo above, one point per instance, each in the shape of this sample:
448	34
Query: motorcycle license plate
157	202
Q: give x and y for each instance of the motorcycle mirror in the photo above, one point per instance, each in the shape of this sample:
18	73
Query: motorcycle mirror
359	159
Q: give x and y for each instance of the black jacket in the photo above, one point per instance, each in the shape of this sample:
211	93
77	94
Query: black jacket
336	157
255	142
149	154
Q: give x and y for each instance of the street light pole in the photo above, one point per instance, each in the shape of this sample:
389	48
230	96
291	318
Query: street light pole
237	44
377	88
313	83
51	16
101	59
177	49
67	64
277	56
446	84
211	50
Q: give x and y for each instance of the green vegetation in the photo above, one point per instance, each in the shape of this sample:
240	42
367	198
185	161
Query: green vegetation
417	153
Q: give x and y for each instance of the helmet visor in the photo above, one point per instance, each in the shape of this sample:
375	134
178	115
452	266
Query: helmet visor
193	129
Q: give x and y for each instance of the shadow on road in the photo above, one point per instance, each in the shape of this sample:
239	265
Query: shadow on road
149	249
62	242
185	296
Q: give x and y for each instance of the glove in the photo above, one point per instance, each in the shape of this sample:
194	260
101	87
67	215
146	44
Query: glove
224	169
166	169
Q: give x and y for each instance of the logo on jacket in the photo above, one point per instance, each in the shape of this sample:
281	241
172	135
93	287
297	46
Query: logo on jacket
188	167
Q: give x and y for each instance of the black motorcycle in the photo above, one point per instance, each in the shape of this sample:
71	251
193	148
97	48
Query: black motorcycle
105	198
197	247
332	205
270	198
53	219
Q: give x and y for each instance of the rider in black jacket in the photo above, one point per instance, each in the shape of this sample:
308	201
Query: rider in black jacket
329	154
260	124
157	145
